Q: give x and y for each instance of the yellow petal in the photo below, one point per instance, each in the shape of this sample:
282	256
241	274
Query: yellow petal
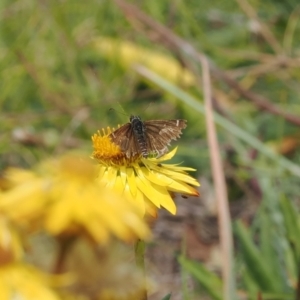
59	216
96	229
119	186
150	208
123	174
139	201
110	176
179	176
146	188
168	155
131	181
183	188
165	199
24	201
157	177
178	168
127	194
20	282
101	171
173	185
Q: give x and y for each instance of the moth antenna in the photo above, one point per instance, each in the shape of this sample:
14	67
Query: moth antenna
119	112
149	104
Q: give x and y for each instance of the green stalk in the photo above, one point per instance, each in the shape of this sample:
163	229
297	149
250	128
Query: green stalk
139	250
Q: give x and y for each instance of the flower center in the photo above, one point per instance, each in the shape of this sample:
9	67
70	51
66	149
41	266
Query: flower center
108	153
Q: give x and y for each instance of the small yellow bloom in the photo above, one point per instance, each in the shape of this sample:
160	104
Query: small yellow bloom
18	281
146	182
129	54
63	197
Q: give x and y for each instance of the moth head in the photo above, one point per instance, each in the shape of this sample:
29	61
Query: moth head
134	118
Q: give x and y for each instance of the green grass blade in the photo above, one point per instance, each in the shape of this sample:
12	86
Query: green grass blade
256	265
167	297
208	280
291	225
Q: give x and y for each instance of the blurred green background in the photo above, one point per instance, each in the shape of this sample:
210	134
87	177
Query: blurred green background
58	88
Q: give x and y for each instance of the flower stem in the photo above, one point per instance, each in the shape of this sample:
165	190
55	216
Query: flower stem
64	246
139	249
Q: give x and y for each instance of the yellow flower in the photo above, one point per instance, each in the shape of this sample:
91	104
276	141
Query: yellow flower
146	182
63	197
129	54
19	281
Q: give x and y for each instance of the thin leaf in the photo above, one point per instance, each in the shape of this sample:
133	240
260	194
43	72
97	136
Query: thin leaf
258	269
167	297
291	224
271	250
208	280
277	296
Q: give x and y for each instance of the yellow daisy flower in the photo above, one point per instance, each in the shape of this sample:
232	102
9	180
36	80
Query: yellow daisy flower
146	182
63	197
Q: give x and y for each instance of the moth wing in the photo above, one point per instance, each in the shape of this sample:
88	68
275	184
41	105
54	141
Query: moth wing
161	132
125	139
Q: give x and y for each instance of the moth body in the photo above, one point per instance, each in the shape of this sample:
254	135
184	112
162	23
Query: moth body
139	131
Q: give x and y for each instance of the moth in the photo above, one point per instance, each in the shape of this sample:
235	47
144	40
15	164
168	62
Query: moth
147	138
